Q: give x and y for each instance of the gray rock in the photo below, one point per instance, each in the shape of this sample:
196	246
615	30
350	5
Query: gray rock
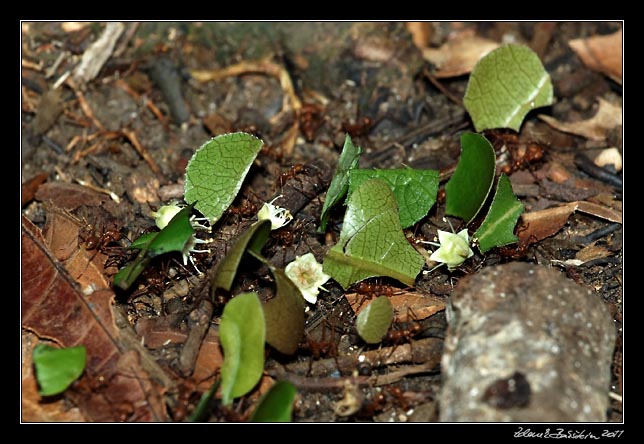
526	344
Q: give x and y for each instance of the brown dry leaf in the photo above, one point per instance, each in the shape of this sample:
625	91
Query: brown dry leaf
406	304
209	361
30	187
608	116
458	55
69	196
602	53
592	252
421	33
538	225
33	407
114	386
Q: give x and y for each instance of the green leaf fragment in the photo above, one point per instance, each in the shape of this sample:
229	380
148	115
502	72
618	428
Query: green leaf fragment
284	315
469	186
252	239
349	158
415	190
57	368
497	229
277	404
504	86
215	172
242	335
374	320
173	237
372	242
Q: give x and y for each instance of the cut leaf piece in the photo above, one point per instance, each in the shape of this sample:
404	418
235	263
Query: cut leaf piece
215	172
372	242
415	190
253	239
340	183
174	237
504	86
497	229
277	404
284	315
374	320
57	368
242	334
469	186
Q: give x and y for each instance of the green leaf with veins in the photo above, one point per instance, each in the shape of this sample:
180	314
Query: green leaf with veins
57	368
497	229
372	242
215	172
374	320
504	86
469	186
349	158
252	239
242	335
415	190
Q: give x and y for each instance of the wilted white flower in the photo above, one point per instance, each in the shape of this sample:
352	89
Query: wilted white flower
164	215
454	248
306	273
277	215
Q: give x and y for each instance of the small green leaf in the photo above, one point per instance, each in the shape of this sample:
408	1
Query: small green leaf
374	320
277	404
497	229
340	183
504	86
252	239
469	186
415	190
216	171
284	315
242	334
173	237
372	242
57	368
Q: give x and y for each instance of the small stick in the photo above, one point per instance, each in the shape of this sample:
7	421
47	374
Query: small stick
146	102
131	136
87	110
441	88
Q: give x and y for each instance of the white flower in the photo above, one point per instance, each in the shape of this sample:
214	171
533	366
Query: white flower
277	215
306	273
454	248
164	215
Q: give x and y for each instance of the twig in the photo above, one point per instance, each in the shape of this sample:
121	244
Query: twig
97	54
87	110
146	102
262	67
589	167
129	34
201	317
131	136
441	88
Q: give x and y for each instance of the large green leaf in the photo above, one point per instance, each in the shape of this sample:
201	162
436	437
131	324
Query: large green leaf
469	186
340	183
415	190
276	405
372	242
504	86
216	171
374	320
57	368
498	227
254	239
242	334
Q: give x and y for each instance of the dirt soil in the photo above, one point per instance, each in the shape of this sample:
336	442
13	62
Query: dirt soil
99	156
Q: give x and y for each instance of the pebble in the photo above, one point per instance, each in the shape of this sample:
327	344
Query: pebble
526	344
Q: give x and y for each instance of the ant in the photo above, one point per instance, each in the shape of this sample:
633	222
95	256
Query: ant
108	242
311	119
321	348
296	169
404	332
246	209
368	290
